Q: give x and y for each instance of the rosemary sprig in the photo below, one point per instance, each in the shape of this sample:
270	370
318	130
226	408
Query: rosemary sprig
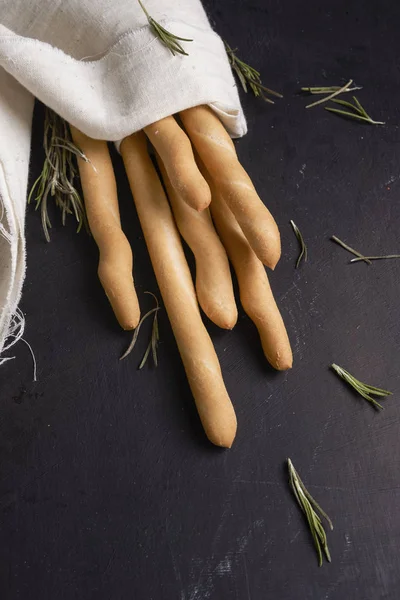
328	90
58	174
153	344
375	257
310	508
350	249
365	390
170	40
332	95
247	75
358	112
303	248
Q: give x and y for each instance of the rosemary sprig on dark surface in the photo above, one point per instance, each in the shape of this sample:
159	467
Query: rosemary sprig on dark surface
248	76
170	40
332	95
310	508
303	248
384	257
356	111
58	174
153	344
328	89
350	249
365	390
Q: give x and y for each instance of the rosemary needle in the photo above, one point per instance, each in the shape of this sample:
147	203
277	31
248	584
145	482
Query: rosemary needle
375	257
350	249
303	248
329	89
311	509
357	111
247	75
332	95
58	174
365	390
170	40
152	346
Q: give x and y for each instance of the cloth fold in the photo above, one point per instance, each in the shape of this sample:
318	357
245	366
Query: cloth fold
99	65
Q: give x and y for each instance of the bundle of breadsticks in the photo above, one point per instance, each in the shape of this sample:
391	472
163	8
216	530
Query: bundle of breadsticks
213	205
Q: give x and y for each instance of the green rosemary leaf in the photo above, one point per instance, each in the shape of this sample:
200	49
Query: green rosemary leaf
310	508
313	502
303	248
248	76
385	257
136	333
332	95
350	249
360	108
154	339
377	391
328	89
153	343
345	113
348	105
145	356
365	390
170	40
358	112
58	174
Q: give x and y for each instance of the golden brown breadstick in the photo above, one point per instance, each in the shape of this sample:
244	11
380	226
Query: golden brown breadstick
255	291
218	153
101	202
213	276
175	150
176	286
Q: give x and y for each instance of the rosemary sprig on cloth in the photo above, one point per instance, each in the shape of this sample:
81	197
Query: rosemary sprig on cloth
247	75
58	174
170	40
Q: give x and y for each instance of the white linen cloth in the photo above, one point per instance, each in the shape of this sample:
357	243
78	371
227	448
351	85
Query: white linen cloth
98	64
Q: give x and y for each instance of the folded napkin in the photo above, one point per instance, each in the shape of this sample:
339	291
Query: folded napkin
98	64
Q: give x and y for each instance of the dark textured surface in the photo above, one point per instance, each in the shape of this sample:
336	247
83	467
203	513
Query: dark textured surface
108	487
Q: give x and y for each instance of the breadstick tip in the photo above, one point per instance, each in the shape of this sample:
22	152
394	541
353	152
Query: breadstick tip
282	361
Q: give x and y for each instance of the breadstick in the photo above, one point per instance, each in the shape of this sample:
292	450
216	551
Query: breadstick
218	153
101	202
255	291
176	286
175	150
213	276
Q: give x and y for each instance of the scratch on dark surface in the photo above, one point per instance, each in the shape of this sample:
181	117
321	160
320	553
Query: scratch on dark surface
247	577
343	561
206	588
14	494
175	565
296	535
318	447
109	563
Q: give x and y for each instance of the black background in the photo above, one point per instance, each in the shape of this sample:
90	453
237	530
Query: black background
108	486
